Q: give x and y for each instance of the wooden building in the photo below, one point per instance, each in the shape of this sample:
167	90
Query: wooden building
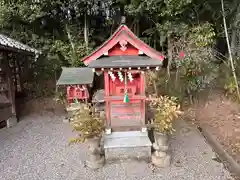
123	59
14	65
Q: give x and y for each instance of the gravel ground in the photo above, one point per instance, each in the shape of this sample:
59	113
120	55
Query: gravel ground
36	149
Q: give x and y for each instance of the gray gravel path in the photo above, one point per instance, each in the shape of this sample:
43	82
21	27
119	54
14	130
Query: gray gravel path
36	149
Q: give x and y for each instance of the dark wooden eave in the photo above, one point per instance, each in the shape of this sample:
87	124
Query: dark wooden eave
125	62
15	50
11	45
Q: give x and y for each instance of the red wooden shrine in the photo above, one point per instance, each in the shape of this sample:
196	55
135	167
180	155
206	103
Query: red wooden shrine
77	92
123	59
76	82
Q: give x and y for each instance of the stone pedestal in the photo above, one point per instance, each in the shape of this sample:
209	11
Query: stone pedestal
160	156
96	164
96	158
161	161
66	120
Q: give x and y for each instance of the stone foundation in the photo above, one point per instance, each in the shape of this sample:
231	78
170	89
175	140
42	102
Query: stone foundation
127	145
137	153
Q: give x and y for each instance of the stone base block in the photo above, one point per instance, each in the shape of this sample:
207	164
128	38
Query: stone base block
138	153
96	164
160	154
108	131
66	120
161	162
163	148
12	121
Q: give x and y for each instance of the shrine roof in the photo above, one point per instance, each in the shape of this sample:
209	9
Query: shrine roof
74	76
13	45
123	34
125	62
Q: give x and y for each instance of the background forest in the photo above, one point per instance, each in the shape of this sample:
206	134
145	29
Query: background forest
190	33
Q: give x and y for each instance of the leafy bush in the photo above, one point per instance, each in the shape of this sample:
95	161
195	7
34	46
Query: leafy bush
193	66
167	109
230	86
60	97
86	125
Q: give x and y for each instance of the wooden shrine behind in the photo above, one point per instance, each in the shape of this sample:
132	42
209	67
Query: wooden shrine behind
15	61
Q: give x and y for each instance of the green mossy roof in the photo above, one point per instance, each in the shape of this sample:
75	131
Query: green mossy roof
72	76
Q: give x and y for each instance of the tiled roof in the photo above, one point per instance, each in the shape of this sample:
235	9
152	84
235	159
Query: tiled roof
123	33
124	62
16	45
74	76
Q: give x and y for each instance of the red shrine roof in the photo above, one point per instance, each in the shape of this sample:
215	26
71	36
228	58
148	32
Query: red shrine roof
123	36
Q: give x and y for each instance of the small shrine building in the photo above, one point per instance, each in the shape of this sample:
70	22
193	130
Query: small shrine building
121	61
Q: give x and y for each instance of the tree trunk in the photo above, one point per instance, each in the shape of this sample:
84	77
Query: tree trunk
86	31
233	41
137	28
170	57
74	55
238	43
234	38
229	51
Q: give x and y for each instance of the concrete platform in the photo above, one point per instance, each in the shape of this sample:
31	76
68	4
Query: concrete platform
127	145
127	139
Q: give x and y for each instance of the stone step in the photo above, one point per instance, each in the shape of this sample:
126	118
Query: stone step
127	145
127	139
